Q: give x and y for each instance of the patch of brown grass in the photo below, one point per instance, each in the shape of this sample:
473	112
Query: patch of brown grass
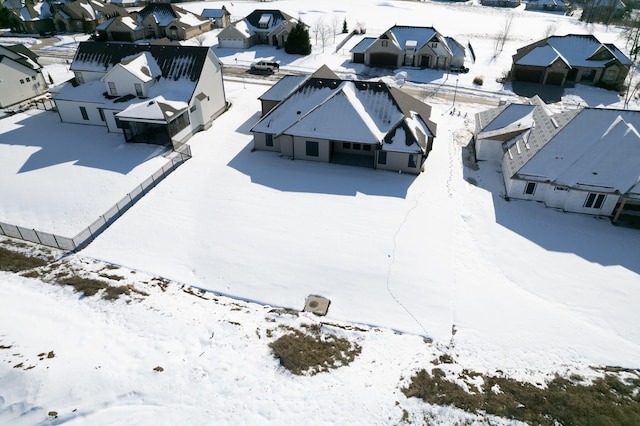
90	287
12	261
608	400
313	352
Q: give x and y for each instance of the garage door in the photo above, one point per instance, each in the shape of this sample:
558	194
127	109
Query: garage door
555	78
384	59
534	76
358	58
233	43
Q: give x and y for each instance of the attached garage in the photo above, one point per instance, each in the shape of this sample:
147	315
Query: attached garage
233	43
555	78
529	74
383	59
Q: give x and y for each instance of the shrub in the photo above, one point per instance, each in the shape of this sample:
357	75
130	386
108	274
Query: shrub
478	80
313	352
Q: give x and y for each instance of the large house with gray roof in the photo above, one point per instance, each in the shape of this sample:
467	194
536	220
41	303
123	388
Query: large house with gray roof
159	94
410	46
570	59
262	26
583	160
363	123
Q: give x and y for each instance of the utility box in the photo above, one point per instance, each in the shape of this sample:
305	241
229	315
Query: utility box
317	304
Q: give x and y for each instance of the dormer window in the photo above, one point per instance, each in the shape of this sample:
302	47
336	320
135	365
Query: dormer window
264	21
385	43
139	92
79	77
112	88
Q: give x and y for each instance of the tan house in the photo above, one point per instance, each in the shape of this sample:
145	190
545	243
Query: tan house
410	46
84	16
157	20
570	59
362	123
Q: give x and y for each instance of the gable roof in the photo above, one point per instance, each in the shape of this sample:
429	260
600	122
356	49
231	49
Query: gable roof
272	17
215	13
574	50
21	54
363	45
165	13
175	61
142	65
355	111
598	149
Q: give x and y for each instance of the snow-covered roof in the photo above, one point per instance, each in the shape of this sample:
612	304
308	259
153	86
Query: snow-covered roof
282	88
143	66
575	50
420	35
157	109
213	13
599	149
363	45
165	13
519	115
352	111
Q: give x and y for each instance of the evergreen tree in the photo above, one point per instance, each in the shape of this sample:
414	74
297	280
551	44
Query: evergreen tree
298	40
344	26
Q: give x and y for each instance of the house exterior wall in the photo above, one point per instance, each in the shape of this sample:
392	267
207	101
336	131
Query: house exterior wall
399	162
439	57
124	82
300	149
13	85
268	106
211	85
70	112
567	199
110	120
88	76
260	142
487	149
233	38
378	47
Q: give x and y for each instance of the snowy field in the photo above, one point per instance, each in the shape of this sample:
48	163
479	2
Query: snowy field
500	285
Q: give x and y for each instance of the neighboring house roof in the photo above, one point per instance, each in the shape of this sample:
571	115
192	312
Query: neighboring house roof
404	34
21	54
575	50
266	19
598	149
283	88
174	61
236	29
165	13
34	12
356	111
363	45
214	13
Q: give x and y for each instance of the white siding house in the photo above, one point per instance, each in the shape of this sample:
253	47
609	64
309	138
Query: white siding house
582	161
150	93
20	75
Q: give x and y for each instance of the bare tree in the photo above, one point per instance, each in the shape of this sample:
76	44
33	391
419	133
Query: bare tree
631	36
325	34
200	39
631	85
335	24
317	28
504	33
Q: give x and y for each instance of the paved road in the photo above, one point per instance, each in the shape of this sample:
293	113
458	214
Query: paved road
424	92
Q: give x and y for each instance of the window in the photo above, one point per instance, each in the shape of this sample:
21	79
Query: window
356	146
28	79
118	122
594	201
112	88
312	149
268	139
79	77
366	147
138	87
83	111
385	43
434	45
193	108
530	188
382	157
412	161
101	112
21	81
346	145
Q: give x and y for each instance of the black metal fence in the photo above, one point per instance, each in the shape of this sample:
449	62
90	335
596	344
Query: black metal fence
84	237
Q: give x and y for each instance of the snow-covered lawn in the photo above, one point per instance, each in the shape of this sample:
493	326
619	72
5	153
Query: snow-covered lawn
499	285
